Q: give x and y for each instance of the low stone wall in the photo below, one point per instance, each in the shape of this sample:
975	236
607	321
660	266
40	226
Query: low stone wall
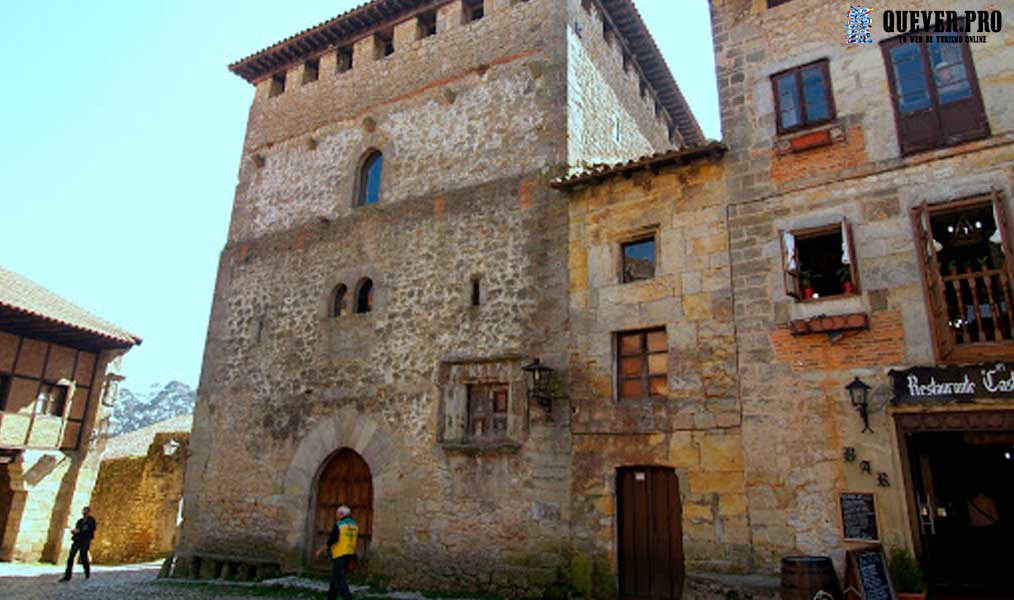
136	503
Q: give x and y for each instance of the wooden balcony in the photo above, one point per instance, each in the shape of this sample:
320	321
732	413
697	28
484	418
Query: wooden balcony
980	316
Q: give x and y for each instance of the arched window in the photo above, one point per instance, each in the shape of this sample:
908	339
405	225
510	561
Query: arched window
364	296
370	175
340	301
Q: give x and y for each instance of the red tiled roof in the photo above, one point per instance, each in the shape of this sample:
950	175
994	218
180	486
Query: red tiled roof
357	22
28	307
680	156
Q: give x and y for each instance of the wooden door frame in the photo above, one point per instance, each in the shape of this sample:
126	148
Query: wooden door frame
908	422
311	512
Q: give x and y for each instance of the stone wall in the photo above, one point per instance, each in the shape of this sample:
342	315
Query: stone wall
695	426
611	114
136	502
797	418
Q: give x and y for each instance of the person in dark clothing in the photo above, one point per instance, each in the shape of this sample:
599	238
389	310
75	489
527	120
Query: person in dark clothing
341	548
81	536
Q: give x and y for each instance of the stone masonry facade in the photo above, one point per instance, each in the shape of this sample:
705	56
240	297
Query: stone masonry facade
472	122
498	237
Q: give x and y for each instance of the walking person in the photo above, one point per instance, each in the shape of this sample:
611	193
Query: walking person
341	547
81	536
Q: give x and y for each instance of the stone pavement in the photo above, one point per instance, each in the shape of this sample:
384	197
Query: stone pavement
40	582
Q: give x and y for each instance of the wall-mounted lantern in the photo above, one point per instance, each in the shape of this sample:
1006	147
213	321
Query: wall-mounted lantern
538	384
859	393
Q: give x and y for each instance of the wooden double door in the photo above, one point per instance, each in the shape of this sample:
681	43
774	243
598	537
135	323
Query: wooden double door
344	479
650	533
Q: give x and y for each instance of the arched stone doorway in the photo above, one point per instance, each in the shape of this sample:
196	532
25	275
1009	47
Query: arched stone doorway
344	478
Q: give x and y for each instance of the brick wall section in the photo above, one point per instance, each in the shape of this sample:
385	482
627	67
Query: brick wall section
882	344
136	503
796	414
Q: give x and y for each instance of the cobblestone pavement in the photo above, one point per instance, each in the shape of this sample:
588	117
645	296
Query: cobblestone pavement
41	582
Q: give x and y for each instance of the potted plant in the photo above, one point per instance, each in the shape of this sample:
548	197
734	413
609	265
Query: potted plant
806	282
906	575
845	278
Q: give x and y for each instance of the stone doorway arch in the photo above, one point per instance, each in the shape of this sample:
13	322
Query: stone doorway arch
346	428
344	479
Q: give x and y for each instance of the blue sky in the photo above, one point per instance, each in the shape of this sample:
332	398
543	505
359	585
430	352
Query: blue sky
122	134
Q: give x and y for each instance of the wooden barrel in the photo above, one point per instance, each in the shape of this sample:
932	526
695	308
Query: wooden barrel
805	577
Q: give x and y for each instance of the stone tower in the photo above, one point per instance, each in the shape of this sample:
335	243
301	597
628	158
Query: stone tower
395	256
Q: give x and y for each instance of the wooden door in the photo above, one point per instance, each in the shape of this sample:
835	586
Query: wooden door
650	528
345	479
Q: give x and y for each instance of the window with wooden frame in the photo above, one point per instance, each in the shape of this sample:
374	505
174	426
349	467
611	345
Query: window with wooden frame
370	175
819	262
487	411
642	363
935	93
51	400
472	10
638	259
963	249
803	97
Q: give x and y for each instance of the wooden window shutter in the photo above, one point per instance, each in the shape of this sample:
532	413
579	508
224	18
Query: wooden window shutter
850	251
933	283
790	263
455	412
965	119
1003	224
918	130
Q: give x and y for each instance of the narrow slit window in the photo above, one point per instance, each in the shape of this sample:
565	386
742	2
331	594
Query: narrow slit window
475	292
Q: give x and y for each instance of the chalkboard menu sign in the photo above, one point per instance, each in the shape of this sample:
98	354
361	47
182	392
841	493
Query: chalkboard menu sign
859	517
868	577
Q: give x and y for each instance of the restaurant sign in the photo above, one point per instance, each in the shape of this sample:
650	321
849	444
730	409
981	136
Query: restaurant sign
953	384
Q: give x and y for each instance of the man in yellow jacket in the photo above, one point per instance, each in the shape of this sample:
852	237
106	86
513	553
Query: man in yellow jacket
341	547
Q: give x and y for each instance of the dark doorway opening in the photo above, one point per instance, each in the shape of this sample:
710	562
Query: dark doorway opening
963	488
345	478
650	533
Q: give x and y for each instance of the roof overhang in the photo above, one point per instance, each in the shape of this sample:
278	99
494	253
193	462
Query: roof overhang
652	162
21	322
